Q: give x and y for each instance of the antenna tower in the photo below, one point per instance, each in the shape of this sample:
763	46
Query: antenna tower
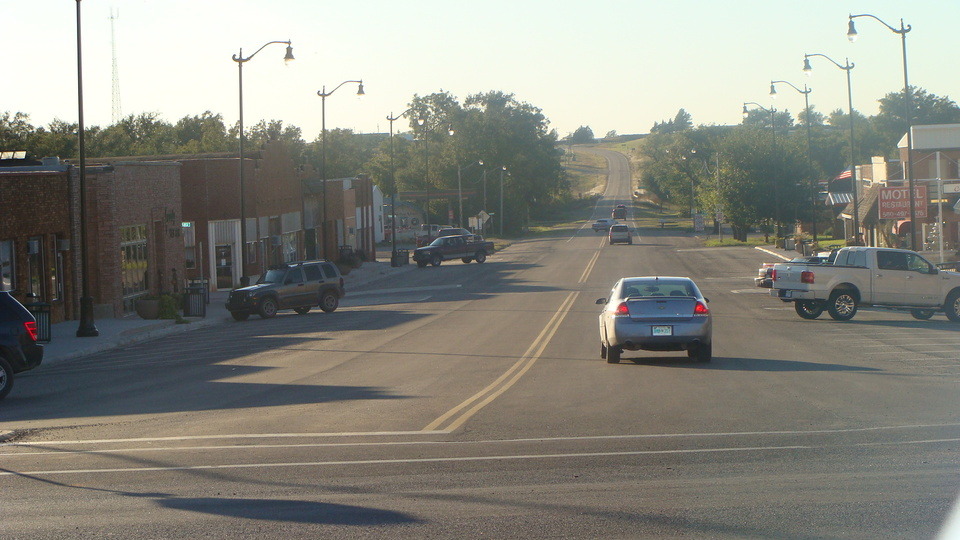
115	112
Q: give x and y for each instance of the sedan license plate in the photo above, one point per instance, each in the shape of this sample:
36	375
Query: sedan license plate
662	330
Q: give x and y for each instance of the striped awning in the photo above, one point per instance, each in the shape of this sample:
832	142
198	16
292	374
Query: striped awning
836	199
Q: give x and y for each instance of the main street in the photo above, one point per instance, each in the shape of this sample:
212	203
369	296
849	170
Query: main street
470	400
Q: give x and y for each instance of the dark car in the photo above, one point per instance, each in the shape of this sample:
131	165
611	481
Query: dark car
295	285
19	350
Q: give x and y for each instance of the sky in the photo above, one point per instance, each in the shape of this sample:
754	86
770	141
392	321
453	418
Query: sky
612	65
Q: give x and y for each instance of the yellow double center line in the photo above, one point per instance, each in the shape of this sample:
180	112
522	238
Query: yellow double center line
482	398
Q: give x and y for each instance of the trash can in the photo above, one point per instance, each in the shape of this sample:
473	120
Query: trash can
346	252
400	257
41	312
194	301
789	244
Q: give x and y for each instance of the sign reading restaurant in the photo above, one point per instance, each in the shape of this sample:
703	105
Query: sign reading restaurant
894	202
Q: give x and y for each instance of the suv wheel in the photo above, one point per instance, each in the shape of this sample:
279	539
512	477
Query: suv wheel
436	260
268	308
6	378
329	302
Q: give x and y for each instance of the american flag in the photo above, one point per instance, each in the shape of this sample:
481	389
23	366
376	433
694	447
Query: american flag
844	174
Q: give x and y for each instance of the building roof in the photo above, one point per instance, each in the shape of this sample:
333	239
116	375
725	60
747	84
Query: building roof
933	137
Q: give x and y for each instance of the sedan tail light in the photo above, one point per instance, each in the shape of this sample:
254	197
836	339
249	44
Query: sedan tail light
31	328
701	309
622	309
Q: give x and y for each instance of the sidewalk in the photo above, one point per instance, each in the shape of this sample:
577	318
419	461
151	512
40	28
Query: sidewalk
114	333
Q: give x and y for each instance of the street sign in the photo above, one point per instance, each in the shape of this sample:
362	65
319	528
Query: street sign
894	202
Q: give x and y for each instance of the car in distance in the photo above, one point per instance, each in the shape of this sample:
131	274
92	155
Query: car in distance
603	224
655	313
620	212
19	350
620	233
297	285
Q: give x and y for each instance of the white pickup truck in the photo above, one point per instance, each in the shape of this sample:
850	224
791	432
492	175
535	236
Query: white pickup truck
868	276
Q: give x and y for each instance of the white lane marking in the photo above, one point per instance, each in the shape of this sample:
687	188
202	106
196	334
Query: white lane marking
589	268
750	291
463	459
498	387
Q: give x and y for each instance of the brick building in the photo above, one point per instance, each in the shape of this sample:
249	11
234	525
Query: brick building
36	235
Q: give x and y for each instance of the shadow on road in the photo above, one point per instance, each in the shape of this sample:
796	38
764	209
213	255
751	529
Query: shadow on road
742	364
288	511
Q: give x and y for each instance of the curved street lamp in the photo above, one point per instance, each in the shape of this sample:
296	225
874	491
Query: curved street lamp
847	67
503	170
323	154
773	131
908	108
393	195
240	60
806	99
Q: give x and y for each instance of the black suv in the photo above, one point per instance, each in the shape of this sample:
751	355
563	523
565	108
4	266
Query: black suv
295	285
19	350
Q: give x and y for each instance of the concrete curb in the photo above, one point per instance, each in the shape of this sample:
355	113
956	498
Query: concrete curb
774	253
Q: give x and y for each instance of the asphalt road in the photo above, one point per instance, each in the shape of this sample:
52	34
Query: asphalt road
470	400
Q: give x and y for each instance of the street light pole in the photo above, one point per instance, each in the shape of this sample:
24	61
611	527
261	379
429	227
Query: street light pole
503	169
908	110
393	193
460	186
87	327
323	155
240	60
806	100
776	181
847	67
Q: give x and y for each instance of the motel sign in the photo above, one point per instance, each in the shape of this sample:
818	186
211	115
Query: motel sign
894	202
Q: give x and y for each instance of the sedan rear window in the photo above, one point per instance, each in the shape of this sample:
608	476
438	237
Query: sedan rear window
645	289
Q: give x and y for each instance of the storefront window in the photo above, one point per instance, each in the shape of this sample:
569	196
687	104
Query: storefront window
7	274
133	263
35	267
290	247
189	244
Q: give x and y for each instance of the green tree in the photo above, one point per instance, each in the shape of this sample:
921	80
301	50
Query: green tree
582	135
202	134
927	109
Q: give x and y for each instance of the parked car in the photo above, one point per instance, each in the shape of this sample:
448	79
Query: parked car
295	285
868	276
764	277
603	224
19	350
620	233
655	314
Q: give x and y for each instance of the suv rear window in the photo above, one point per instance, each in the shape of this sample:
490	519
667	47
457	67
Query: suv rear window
619	228
329	271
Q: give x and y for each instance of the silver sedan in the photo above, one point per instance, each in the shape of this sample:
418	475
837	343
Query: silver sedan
655	314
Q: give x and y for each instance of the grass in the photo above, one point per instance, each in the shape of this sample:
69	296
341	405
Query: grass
588	174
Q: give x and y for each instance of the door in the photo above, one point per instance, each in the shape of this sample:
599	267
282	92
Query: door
889	279
224	266
921	282
293	290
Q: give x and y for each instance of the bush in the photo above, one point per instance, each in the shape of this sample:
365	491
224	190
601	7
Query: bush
170	306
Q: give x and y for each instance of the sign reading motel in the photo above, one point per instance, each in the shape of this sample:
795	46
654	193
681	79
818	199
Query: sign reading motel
894	202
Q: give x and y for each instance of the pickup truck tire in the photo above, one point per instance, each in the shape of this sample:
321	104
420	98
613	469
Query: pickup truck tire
922	314
436	260
952	306
808	309
302	310
6	378
268	308
842	305
480	257
329	302
603	351
613	355
466	260
240	315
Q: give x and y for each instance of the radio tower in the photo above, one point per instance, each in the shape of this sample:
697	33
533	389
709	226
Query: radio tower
116	112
